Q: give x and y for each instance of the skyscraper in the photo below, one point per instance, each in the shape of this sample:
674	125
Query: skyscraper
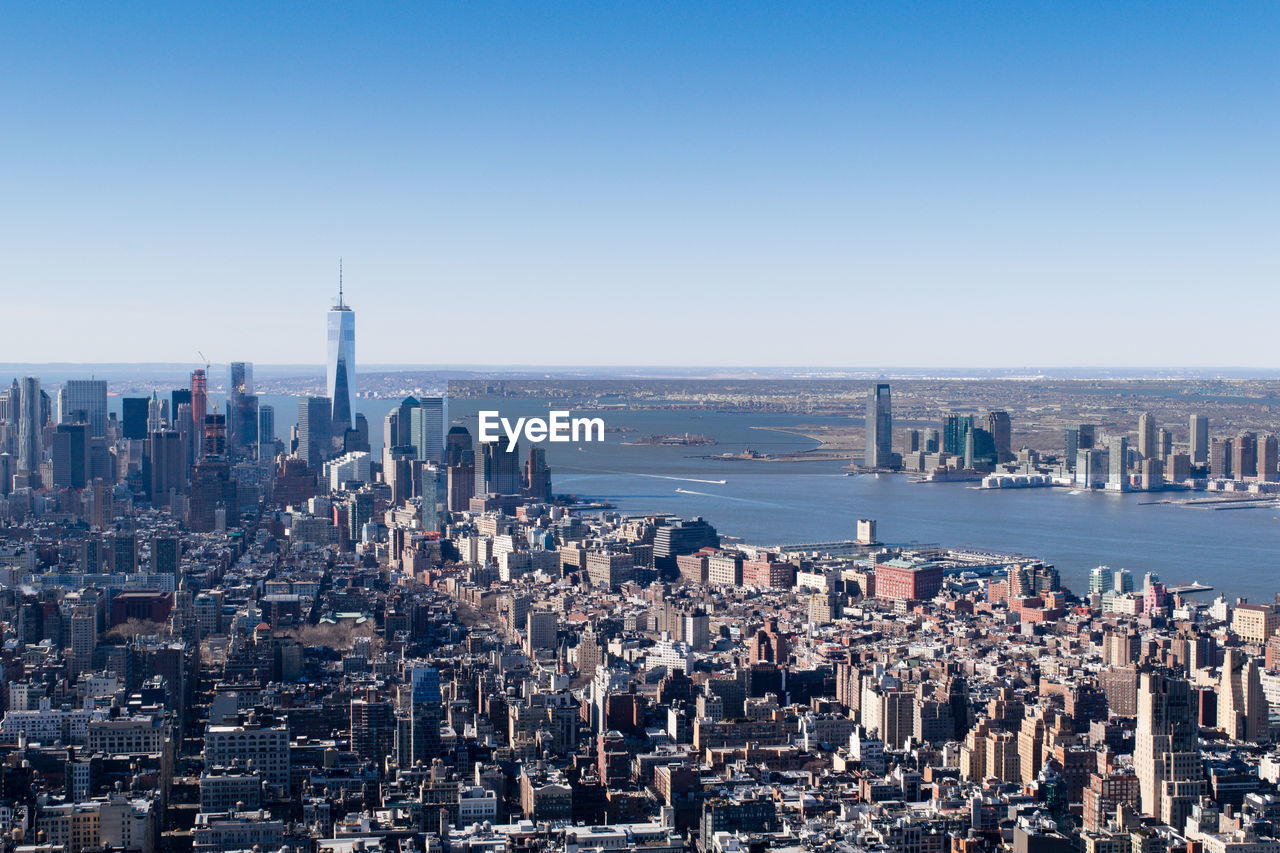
199	408
166	465
537	476
340	367
426	429
1001	429
1267	461
1199	439
1244	456
1118	465
70	454
1242	709
1166	752
84	400
266	431
30	425
1147	436
154	418
315	432
133	417
242	412
955	431
879	427
497	468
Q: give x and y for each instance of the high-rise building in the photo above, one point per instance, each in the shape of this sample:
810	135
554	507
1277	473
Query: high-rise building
84	401
266	431
1166	753
1199	439
1147	436
199	408
30	425
1001	429
70	455
498	468
425	714
1244	456
177	397
955	432
879	428
1220	458
133	417
397	429
242	412
373	726
340	367
1118	465
427	423
1242	709
457	442
537	476
315	432
1267	461
166	465
460	461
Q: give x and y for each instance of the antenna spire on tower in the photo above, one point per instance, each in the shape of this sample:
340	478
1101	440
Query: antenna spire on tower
340	305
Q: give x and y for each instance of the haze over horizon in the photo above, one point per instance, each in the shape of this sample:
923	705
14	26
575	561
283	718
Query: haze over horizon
656	184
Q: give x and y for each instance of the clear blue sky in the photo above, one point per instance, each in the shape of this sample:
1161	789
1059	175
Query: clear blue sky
985	184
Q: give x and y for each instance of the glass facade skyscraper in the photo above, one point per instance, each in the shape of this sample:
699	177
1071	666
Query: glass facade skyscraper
84	400
879	428
340	367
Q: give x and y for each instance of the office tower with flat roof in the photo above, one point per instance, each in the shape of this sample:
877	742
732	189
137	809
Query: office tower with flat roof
1147	435
9	398
1001	429
427	423
955	431
70	455
242	411
879	428
340	365
498	468
177	397
1220	458
30	426
266	431
537	476
315	433
1244	456
133	417
1118	465
84	401
1199	439
1070	445
1267	452
166	466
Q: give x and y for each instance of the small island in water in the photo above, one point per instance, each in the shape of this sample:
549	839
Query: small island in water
680	440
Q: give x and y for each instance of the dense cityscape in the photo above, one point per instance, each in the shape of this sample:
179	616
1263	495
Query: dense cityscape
218	641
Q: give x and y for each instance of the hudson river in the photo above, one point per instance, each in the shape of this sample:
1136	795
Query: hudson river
1235	551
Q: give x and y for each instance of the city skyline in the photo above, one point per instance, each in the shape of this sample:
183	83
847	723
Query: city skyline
632	173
